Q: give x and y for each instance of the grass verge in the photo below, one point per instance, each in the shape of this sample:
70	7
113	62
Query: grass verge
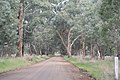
7	64
99	69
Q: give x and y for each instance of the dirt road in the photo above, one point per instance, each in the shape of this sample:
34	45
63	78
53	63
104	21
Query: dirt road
55	68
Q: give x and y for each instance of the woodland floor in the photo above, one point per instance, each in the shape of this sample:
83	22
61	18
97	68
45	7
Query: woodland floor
55	68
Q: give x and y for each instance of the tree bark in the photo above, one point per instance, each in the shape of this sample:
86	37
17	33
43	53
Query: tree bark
69	44
68	48
20	27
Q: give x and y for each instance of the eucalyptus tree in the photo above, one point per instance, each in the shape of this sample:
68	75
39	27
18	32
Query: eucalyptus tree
20	28
64	25
85	19
74	19
60	24
38	15
8	23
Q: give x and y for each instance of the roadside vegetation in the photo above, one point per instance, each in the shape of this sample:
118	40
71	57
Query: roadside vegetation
7	64
68	27
99	69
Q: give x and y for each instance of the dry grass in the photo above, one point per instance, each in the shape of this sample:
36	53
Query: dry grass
7	64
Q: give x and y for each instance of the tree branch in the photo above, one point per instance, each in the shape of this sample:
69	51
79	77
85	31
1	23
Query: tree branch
69	41
61	39
75	40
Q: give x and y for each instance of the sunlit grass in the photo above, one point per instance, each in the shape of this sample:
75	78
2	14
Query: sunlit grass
100	69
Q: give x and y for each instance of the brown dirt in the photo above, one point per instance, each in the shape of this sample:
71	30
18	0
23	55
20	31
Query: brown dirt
55	68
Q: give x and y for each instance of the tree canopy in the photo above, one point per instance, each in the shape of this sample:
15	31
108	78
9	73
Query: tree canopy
66	26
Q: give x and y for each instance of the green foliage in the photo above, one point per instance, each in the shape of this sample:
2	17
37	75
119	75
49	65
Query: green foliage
109	9
109	13
42	18
8	22
10	64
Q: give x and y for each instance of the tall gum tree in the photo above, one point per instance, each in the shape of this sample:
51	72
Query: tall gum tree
20	28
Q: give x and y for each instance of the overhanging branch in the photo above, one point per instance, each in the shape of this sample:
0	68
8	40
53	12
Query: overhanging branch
61	39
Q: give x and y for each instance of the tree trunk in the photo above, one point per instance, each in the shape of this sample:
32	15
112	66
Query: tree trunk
69	42
69	51
23	49
102	52
20	27
30	51
91	50
118	49
40	52
83	44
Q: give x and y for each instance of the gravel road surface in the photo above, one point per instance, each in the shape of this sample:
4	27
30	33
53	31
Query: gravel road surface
55	68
